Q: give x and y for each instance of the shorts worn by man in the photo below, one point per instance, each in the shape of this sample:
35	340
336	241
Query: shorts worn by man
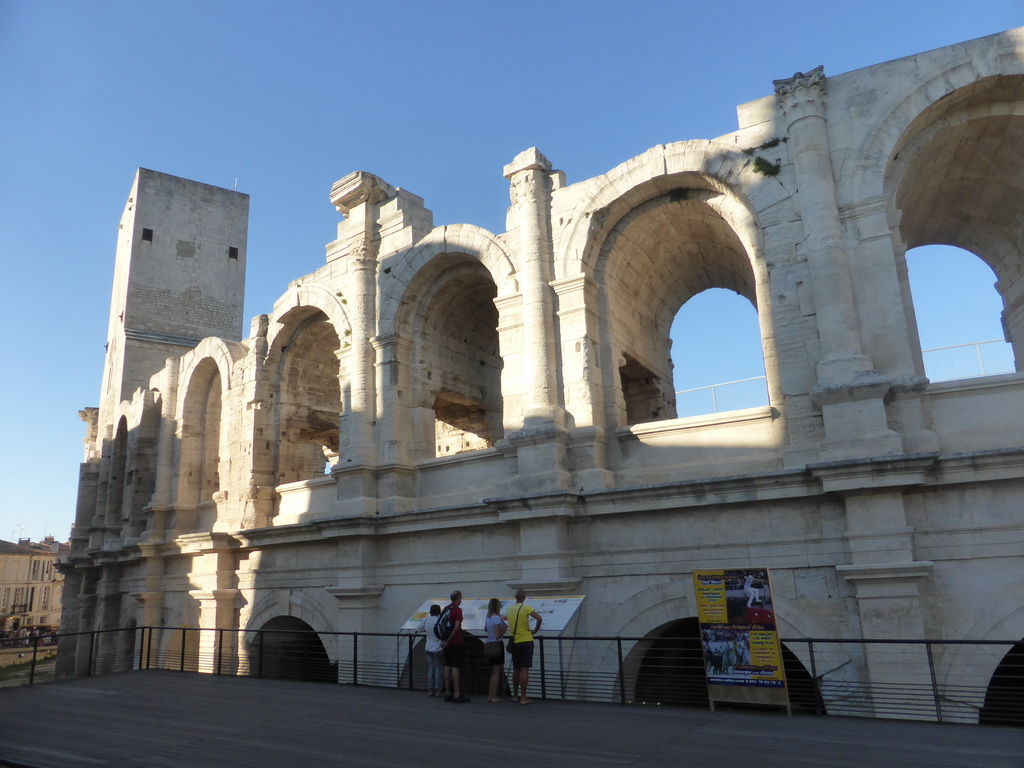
518	618
453	653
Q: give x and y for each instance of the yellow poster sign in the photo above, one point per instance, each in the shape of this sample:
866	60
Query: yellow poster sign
737	627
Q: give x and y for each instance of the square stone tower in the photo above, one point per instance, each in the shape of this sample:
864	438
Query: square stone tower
179	276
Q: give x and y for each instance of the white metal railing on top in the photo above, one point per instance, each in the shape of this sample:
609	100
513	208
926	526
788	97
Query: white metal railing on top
729	396
963	361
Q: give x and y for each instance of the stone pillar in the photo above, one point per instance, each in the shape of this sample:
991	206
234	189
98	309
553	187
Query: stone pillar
885	578
162	504
538	452
542	523
529	174
579	331
218	609
849	390
256	503
398	445
889	603
358	197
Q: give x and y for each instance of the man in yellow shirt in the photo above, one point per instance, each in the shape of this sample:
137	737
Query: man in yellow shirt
518	618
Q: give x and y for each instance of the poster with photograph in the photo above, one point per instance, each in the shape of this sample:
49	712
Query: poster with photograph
737	627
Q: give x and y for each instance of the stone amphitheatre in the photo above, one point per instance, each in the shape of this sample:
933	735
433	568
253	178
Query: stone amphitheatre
441	406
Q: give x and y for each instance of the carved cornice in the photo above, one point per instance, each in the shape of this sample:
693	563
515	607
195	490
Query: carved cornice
802	94
357	188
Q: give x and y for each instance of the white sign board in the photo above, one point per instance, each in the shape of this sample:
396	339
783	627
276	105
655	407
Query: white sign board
557	612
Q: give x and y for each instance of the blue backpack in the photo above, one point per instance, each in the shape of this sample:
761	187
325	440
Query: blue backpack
444	626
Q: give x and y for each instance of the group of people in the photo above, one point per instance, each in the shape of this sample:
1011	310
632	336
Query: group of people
445	650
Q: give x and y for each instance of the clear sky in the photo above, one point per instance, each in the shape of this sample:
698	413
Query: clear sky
284	98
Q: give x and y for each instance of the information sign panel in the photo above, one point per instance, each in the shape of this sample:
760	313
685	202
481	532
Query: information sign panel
739	637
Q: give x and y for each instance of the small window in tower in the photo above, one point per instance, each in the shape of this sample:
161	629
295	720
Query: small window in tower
232	252
147	235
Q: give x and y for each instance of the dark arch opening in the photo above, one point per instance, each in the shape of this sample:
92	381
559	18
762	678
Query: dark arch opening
289	649
1004	700
671	671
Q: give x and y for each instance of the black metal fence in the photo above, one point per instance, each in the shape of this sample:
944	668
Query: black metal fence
937	680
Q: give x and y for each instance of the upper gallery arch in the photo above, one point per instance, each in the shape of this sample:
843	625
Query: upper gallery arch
715	174
408	274
975	78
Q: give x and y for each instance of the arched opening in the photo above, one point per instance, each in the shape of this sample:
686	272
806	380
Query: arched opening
660	255
457	359
199	459
958	310
670	670
717	356
1004	700
309	402
287	648
956	178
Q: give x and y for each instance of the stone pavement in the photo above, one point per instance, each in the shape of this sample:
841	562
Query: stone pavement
157	719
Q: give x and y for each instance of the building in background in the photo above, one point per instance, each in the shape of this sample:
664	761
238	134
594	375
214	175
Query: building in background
31	586
443	406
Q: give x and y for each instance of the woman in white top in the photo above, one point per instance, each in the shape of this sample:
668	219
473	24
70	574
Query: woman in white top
493	649
435	653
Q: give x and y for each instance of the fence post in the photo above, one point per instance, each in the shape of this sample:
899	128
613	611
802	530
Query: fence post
410	663
140	638
355	658
935	685
814	678
32	669
622	675
543	672
259	665
149	650
181	667
220	646
92	652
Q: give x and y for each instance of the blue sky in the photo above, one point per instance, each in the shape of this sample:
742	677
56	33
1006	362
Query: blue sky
285	98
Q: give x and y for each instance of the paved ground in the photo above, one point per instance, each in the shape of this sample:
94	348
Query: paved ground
158	719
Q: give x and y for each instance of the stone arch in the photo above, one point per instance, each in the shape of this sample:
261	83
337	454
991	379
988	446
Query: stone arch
654	233
205	374
890	120
446	310
299	605
953	178
299	436
199	439
965	671
402	270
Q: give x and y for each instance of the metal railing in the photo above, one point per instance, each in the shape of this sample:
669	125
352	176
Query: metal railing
980	681
962	361
728	396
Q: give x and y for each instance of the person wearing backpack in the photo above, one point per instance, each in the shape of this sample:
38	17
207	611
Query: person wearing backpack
449	628
435	654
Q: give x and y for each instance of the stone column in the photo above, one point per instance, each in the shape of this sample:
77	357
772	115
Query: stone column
529	176
885	578
358	197
849	391
162	504
398	444
539	450
579	331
